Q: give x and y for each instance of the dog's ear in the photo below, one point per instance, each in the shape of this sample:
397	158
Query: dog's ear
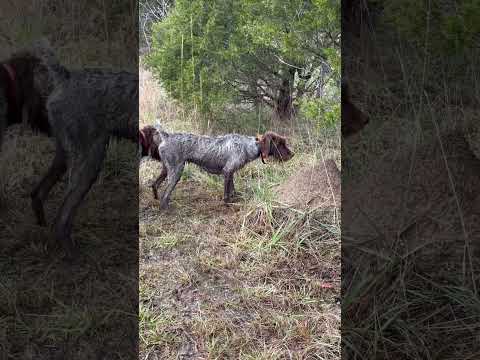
279	139
141	137
265	142
142	143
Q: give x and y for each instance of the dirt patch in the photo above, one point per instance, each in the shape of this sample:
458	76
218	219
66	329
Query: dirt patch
412	223
436	212
314	187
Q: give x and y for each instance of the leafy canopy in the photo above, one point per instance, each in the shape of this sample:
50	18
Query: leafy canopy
208	53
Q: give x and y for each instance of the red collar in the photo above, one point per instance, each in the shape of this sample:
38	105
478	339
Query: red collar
11	74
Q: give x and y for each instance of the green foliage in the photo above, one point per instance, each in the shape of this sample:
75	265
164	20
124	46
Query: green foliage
209	53
324	113
462	29
450	26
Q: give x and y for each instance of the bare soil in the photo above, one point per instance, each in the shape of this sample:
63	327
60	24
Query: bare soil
313	187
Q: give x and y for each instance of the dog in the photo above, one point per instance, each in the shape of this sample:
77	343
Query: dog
85	109
221	155
147	145
24	88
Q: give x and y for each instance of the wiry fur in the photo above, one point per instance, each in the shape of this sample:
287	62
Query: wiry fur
85	109
222	155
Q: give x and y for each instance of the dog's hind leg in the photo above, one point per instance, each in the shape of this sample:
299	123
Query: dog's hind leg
40	193
85	171
158	182
228	187
174	174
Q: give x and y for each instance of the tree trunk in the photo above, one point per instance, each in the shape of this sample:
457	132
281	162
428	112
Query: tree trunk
284	102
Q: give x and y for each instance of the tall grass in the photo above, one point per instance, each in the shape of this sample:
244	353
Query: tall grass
409	281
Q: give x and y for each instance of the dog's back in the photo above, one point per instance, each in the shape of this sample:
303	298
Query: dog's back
212	154
108	100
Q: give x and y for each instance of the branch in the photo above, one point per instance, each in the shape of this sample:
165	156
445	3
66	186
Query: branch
285	63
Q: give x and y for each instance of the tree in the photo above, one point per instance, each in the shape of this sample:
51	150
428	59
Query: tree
151	11
247	51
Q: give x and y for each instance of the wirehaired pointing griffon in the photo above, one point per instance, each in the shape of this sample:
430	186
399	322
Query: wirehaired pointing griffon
221	155
146	142
85	109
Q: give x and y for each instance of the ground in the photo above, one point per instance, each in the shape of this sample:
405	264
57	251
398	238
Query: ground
252	280
51	308
317	186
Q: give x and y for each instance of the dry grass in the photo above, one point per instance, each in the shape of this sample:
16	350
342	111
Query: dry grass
248	281
51	309
409	246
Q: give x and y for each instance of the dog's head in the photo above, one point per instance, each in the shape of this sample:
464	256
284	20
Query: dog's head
353	119
148	142
274	145
27	84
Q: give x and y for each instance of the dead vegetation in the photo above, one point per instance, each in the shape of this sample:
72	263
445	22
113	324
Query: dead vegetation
423	245
410	231
51	309
255	279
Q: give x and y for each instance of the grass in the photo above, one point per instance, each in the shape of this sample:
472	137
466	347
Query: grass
253	280
400	302
50	308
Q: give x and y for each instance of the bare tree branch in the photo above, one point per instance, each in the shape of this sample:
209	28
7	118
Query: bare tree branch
150	12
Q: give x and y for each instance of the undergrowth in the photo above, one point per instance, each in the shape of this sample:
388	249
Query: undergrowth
251	280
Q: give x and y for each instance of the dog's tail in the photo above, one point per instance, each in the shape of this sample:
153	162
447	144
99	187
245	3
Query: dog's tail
44	51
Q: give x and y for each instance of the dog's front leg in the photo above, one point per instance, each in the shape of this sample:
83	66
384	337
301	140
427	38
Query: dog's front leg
174	174
158	182
85	169
40	193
